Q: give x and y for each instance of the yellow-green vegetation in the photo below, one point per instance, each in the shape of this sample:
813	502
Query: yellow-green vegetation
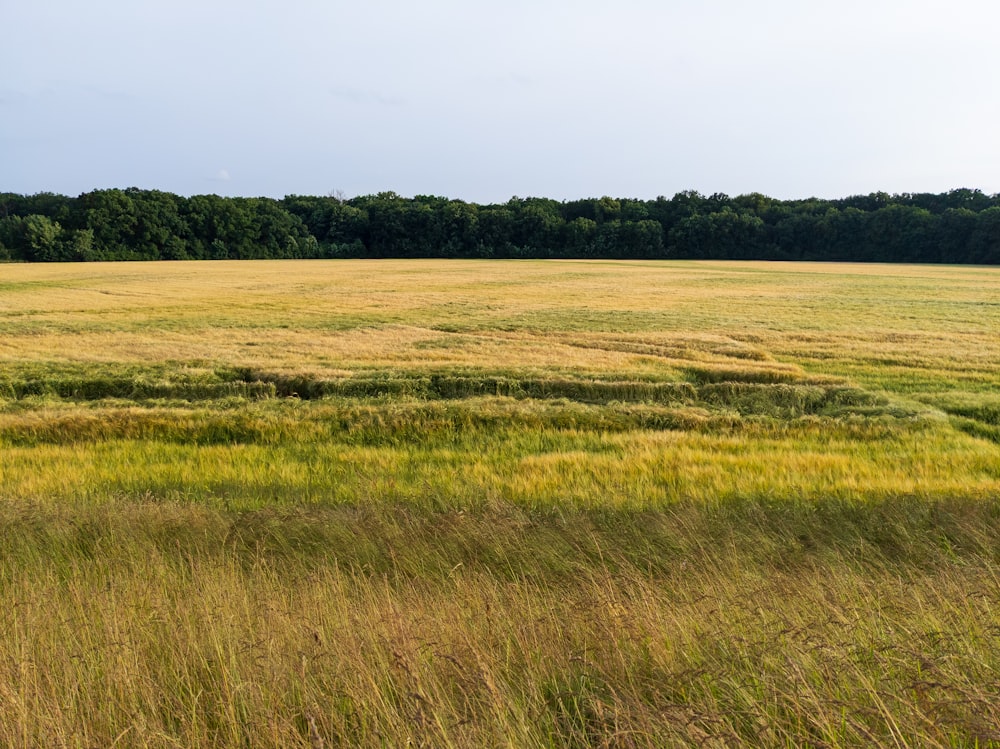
461	503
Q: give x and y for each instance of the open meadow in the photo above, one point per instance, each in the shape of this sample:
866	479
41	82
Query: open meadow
499	503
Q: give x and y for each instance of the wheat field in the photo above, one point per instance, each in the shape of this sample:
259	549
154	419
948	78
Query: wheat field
485	503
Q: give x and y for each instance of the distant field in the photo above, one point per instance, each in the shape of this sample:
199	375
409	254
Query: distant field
485	503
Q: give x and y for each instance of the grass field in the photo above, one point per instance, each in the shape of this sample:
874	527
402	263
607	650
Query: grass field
460	503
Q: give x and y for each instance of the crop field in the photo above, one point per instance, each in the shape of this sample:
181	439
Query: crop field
499	504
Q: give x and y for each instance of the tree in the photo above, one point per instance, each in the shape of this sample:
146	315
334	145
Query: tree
607	209
12	236
133	224
798	236
43	237
723	234
578	237
844	235
643	239
955	229
496	232
985	241
536	227
385	234
901	234
110	214
81	245
459	228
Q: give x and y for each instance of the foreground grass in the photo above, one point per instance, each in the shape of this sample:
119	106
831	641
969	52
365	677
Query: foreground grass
499	504
755	624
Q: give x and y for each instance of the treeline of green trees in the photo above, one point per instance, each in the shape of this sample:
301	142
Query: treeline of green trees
960	226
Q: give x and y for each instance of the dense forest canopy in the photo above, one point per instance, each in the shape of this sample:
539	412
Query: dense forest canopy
960	226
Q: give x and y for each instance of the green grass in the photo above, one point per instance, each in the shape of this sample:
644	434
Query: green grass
475	504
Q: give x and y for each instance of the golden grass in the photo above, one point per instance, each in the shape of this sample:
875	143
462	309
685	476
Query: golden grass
328	316
164	633
463	504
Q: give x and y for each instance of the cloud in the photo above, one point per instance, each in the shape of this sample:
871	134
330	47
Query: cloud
222	176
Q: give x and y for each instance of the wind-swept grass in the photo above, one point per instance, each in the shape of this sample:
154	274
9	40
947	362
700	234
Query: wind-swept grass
499	504
757	624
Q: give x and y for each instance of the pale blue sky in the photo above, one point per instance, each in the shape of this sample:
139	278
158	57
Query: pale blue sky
484	101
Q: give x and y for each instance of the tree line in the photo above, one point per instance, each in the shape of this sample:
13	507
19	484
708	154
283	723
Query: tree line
959	226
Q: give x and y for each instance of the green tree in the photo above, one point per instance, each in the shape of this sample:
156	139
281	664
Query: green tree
955	230
641	239
984	244
81	245
607	209
496	232
43	237
536	226
12	236
111	215
845	235
579	236
459	229
386	230
901	233
723	234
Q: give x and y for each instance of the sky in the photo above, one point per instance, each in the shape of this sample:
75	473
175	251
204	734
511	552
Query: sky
483	101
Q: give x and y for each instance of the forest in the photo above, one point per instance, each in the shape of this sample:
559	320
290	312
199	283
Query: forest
959	226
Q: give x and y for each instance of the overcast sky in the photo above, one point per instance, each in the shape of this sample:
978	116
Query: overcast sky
482	101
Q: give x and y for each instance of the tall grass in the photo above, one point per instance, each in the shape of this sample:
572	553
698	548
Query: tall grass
499	504
757	625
